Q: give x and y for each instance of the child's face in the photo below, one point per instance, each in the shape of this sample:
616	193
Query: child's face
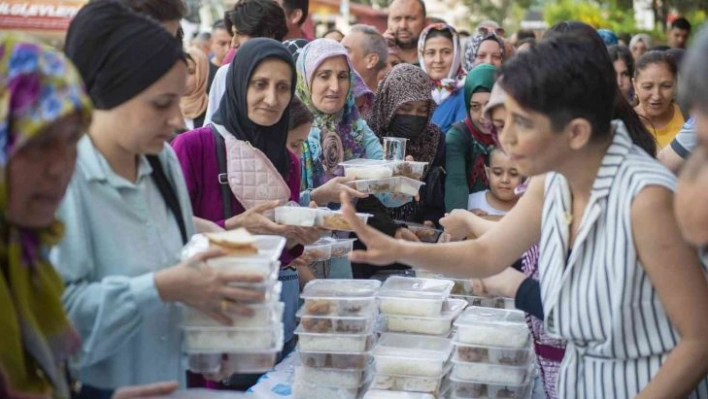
296	137
503	177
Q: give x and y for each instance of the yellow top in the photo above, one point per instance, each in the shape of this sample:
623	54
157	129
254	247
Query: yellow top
667	133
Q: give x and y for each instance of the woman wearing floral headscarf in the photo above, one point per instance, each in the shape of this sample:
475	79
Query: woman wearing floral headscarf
440	57
43	112
325	85
485	49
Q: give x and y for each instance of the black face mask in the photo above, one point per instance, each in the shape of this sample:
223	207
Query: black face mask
408	126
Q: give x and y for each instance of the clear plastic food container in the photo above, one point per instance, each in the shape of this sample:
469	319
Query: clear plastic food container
411	355
232	339
318	251
334	220
335	342
334	360
305	390
295	216
410	169
341	247
269	249
235	363
335	324
330	377
492	327
439	325
396	185
496	303
484	354
340	297
266	270
424	233
433	385
263	315
491	373
271	291
382	394
367	169
413	296
476	390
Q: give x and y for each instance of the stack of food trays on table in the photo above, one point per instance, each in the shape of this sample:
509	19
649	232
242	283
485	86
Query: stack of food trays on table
493	357
413	353
335	338
252	343
377	177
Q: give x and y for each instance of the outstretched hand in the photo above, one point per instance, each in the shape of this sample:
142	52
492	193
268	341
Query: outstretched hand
381	249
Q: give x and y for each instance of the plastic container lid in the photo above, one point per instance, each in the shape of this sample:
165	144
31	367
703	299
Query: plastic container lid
475	316
342	288
420	288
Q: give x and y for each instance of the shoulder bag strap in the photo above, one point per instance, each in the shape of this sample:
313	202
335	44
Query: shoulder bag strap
168	193
223	174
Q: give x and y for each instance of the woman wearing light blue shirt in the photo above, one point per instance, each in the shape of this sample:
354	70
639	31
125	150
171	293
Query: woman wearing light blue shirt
127	213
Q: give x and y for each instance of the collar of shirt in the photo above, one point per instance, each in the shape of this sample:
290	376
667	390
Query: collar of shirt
96	167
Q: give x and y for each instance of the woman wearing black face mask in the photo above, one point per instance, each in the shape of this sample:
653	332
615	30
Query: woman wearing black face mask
403	108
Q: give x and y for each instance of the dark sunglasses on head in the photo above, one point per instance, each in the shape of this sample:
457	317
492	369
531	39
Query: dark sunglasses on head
483	30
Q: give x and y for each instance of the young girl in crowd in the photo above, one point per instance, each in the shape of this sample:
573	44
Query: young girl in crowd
123	282
503	179
440	57
468	142
624	67
194	102
251	122
299	125
655	83
598	205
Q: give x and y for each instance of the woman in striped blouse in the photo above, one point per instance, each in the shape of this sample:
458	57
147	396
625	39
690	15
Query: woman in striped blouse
617	281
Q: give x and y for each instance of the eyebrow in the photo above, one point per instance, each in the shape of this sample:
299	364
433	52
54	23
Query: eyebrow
521	118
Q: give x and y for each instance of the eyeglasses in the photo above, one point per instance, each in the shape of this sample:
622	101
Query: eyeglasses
484	31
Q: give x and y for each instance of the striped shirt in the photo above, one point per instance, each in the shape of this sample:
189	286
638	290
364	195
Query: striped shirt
599	298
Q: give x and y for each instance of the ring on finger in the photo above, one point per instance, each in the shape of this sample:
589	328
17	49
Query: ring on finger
224	306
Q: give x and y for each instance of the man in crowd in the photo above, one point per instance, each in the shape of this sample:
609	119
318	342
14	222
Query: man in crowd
679	33
406	20
295	15
368	51
220	43
202	41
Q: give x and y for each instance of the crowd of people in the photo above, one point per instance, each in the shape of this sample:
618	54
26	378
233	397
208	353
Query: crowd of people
552	165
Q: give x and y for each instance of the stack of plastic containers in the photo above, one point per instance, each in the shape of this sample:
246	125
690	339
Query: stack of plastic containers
251	344
413	353
336	335
493	357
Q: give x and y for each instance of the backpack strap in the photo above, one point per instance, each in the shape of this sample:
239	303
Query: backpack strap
167	192
223	172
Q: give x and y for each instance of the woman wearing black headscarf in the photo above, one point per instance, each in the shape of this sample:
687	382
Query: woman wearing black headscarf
126	212
257	171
